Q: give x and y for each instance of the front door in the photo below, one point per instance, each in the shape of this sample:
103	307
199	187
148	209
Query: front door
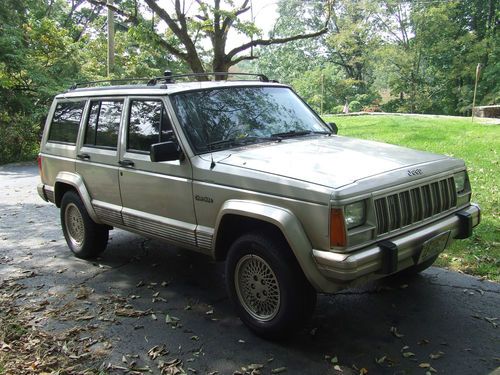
157	197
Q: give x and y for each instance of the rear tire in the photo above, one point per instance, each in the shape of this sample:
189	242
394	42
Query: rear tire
85	238
267	286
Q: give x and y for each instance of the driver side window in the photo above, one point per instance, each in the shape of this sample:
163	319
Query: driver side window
148	124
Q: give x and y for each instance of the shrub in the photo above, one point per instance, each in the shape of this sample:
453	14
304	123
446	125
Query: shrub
19	138
355	106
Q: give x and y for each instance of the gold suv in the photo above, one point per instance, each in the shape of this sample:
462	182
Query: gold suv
245	172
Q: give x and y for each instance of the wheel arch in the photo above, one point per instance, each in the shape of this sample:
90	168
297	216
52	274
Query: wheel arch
237	217
71	181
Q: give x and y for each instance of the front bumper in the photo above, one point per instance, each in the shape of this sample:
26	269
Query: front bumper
394	254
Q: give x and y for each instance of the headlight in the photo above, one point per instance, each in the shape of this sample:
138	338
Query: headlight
459	179
355	214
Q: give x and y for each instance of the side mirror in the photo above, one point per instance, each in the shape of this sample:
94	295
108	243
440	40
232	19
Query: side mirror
165	151
333	127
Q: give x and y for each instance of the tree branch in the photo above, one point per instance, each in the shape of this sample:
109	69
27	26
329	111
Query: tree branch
242	58
228	21
129	17
267	42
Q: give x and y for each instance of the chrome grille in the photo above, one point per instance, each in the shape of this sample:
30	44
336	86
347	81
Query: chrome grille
397	210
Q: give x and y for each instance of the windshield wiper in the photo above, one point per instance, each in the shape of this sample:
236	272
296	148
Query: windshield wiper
241	141
295	133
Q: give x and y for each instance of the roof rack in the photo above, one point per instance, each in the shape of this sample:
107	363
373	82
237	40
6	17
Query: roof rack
167	77
111	81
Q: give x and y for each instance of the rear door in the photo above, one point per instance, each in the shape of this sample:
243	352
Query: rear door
157	197
97	157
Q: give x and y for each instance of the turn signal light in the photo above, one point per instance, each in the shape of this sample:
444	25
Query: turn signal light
337	228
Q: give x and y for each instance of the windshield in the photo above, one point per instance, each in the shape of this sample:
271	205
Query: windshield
234	116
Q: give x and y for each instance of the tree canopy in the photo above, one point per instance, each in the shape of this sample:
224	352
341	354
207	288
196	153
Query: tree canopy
393	55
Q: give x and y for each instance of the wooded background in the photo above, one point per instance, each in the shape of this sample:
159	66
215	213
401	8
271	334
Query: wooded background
417	56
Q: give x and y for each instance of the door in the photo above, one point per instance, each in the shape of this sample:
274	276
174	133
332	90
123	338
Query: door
157	197
97	157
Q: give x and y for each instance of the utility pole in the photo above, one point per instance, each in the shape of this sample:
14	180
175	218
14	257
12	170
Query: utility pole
111	39
478	71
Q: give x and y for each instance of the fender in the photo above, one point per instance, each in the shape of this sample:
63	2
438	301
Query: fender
76	181
288	224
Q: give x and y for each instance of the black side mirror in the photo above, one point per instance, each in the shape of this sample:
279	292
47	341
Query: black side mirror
333	127
165	151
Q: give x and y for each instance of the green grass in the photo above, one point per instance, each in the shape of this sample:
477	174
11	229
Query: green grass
478	145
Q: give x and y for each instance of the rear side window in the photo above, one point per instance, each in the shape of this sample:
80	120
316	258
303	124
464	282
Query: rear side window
148	124
103	123
66	121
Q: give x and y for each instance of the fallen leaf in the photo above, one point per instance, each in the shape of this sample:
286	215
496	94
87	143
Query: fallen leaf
278	370
130	313
337	368
334	360
424	365
85	317
380	360
408	354
395	332
437	355
153	316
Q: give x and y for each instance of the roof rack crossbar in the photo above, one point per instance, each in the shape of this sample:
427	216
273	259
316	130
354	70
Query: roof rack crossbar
169	77
111	81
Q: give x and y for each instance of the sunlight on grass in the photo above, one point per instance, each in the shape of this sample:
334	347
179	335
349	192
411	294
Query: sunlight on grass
478	145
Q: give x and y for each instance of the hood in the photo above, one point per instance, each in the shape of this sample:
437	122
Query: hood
333	161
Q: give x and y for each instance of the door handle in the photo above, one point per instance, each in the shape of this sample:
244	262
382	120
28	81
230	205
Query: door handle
126	163
83	156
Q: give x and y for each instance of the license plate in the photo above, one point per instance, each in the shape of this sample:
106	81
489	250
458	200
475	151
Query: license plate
434	246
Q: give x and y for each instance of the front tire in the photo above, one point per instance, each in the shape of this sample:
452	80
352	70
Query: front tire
85	238
267	286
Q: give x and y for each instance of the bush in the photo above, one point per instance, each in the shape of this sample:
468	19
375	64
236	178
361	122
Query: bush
19	138
355	106
338	109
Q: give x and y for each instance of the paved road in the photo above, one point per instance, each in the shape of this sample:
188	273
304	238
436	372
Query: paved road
446	314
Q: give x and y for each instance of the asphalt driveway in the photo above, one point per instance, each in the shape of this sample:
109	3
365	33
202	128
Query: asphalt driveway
147	307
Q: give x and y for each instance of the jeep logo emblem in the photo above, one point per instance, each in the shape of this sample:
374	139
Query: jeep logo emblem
415	172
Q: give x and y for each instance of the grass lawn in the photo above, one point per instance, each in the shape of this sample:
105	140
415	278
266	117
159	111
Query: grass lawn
478	145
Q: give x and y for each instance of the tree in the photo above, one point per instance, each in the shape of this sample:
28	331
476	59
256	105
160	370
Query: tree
210	21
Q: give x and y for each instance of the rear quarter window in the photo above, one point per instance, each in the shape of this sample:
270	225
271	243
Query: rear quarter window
66	121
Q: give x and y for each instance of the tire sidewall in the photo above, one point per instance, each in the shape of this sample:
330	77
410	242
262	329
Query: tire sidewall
95	236
291	282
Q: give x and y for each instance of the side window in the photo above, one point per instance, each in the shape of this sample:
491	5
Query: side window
66	121
103	123
148	124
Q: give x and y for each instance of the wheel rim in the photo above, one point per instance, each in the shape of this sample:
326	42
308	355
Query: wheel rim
74	224
257	288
